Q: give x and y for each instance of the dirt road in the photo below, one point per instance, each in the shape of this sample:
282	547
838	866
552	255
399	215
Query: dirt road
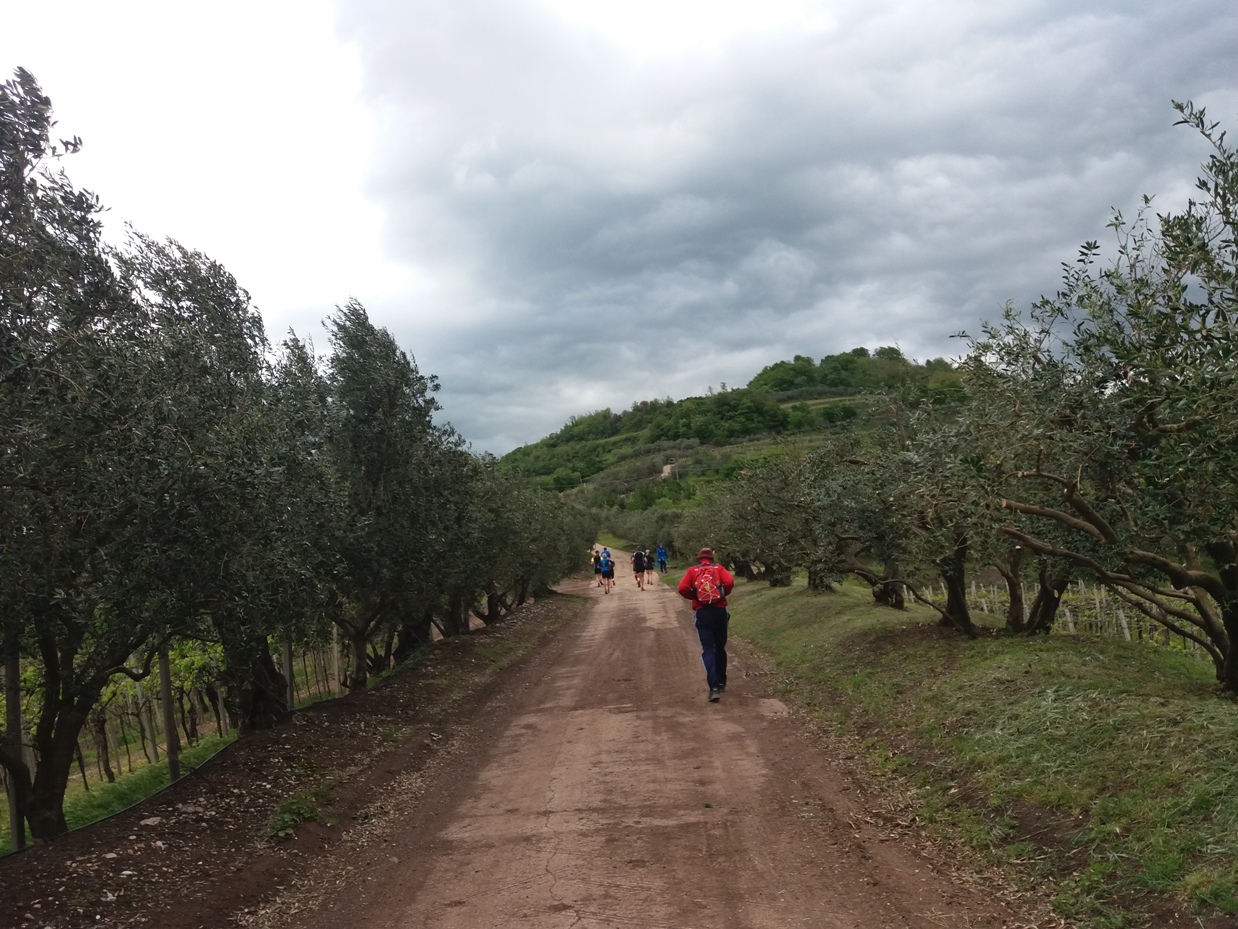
605	791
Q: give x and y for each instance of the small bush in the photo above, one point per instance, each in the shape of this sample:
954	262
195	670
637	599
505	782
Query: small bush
297	809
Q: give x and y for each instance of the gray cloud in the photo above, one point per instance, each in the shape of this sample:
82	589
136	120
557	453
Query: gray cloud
605	227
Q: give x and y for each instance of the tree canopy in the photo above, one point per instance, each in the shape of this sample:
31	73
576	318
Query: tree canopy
169	481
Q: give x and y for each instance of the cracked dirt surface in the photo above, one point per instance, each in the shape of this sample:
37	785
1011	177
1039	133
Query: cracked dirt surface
600	789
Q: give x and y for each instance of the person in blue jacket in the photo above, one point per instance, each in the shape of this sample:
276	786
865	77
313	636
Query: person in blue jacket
608	571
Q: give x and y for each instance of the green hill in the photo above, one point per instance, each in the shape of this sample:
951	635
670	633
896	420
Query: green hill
660	451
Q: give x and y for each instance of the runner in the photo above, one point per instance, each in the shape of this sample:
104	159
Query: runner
597	567
608	570
649	568
706	584
638	568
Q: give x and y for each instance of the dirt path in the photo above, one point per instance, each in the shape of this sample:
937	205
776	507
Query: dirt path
602	790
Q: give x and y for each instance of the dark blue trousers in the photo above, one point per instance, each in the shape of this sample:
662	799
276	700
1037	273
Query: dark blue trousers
711	623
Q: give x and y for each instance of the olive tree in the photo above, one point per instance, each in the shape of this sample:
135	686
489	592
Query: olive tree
389	457
1120	399
82	471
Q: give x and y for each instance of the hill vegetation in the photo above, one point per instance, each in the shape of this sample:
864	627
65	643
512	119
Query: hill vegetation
786	399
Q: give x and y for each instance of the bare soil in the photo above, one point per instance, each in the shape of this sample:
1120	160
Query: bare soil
591	785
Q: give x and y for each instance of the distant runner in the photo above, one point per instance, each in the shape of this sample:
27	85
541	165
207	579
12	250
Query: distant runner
608	570
638	568
648	568
597	567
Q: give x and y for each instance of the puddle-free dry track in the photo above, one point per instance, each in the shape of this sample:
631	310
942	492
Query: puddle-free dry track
604	792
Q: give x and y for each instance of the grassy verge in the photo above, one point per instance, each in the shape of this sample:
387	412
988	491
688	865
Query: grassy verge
87	806
613	542
1106	767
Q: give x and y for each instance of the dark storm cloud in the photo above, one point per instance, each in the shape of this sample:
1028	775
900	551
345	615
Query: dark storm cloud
608	228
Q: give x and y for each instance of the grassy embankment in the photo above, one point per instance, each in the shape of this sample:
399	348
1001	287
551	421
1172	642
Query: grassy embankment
136	776
1120	757
103	799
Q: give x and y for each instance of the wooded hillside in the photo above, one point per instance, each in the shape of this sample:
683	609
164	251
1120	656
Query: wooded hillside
787	398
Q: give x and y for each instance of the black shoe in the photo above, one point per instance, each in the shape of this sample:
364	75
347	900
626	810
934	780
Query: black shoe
722	688
715	695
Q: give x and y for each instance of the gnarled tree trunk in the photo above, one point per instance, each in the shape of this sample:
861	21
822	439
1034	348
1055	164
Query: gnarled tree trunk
778	575
414	633
454	620
1052	582
889	593
1011	573
1225	555
257	687
55	741
818	581
953	569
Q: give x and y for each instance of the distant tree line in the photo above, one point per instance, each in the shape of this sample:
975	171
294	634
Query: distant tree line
167	477
1095	435
855	371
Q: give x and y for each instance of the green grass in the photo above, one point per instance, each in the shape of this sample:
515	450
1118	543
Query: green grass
83	807
1124	748
613	542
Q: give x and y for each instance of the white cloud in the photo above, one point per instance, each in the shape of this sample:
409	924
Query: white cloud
233	127
548	200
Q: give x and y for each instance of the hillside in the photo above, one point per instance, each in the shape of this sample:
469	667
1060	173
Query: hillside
660	450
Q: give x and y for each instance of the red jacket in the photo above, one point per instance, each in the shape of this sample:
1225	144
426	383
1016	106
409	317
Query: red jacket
687	585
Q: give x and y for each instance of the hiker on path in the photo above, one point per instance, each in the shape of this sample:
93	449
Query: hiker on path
608	570
662	558
706	584
638	568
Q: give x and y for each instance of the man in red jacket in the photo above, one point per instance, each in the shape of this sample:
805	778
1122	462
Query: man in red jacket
706	584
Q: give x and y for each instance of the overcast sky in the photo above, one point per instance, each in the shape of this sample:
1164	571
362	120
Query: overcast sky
562	205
